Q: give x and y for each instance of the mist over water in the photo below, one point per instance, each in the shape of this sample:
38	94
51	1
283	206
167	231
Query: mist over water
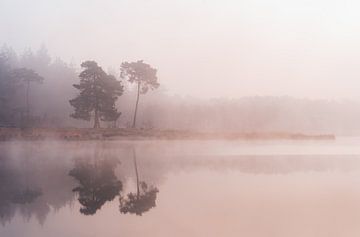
179	118
213	188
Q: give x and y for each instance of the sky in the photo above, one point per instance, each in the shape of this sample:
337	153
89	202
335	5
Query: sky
204	48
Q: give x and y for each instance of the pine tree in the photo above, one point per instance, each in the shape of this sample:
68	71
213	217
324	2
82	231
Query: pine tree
98	94
143	75
27	76
6	88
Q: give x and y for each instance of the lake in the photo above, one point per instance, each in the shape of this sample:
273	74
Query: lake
180	188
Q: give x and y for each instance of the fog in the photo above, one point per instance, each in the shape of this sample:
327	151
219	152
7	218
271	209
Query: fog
203	48
179	118
246	66
49	103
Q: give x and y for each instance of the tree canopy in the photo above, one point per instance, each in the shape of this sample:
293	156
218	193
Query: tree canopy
140	73
11	79
27	76
98	94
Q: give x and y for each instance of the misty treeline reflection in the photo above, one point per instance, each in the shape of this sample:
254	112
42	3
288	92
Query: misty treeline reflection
32	189
38	178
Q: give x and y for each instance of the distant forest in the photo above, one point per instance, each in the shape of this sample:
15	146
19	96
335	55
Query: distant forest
44	97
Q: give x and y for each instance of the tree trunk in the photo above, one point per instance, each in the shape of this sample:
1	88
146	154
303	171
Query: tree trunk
137	175
136	106
27	102
96	109
96	119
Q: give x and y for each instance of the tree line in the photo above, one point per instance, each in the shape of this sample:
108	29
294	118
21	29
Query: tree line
98	91
49	104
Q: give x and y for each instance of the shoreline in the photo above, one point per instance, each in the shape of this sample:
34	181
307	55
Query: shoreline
85	134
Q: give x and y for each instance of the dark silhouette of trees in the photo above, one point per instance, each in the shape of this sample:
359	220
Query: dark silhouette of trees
141	201
143	75
97	184
11	80
98	94
27	76
59	77
6	88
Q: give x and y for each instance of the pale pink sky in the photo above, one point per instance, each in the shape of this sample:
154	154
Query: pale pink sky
204	48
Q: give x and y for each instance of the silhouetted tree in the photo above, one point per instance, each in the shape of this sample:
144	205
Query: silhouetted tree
8	84
98	94
143	75
98	184
141	201
58	85
5	86
27	76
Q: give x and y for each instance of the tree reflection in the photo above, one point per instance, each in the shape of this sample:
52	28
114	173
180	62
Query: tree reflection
14	191
10	199
98	183
26	196
141	201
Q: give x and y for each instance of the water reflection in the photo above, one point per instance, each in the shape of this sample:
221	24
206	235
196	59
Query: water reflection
141	201
98	183
16	193
26	196
59	185
33	182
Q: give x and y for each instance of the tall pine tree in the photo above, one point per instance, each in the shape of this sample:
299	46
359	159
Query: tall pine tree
27	76
143	75
98	94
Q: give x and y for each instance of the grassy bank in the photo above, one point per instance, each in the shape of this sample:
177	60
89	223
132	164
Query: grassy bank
138	134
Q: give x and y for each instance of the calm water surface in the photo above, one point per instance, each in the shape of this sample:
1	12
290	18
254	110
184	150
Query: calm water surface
180	188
